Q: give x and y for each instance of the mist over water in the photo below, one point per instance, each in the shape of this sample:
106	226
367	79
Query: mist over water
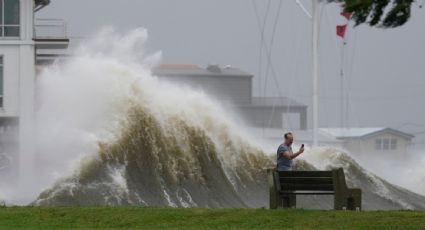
110	133
407	171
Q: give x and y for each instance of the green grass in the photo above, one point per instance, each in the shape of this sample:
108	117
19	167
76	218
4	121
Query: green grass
169	218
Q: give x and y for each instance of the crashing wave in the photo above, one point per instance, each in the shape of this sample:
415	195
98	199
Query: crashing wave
156	144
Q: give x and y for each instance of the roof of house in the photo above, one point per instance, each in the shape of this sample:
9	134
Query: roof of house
343	133
195	70
307	135
274	102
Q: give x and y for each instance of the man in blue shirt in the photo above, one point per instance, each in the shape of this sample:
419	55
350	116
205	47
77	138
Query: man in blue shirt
285	154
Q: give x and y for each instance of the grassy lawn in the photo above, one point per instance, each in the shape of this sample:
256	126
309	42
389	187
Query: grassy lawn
169	218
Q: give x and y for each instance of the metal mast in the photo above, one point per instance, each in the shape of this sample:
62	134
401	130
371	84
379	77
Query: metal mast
315	41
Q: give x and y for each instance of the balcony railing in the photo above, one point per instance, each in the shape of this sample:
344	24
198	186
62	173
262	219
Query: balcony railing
50	28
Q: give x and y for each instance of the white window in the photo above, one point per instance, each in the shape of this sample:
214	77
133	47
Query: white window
386	144
9	19
1	81
393	144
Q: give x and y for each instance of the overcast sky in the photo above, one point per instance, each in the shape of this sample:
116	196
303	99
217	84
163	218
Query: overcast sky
385	67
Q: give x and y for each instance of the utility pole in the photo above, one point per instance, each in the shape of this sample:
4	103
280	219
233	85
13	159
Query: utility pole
315	43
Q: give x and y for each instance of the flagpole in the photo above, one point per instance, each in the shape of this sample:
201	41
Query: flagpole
340	31
315	41
342	84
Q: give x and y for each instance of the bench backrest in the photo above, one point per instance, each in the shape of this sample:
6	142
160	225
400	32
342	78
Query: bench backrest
306	181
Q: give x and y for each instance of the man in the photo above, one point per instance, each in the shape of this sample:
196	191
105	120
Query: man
285	154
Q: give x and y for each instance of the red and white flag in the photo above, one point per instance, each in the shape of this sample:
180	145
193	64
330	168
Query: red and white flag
346	15
340	29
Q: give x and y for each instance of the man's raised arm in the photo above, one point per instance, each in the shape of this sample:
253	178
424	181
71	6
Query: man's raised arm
291	156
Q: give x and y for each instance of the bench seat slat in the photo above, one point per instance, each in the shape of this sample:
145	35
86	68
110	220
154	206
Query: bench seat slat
309	187
308	193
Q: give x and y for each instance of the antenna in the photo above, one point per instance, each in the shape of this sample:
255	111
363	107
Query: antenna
315	16
303	8
315	43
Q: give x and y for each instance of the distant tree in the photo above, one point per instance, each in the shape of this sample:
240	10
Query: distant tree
379	13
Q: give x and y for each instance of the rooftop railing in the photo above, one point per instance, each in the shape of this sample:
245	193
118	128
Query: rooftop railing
50	28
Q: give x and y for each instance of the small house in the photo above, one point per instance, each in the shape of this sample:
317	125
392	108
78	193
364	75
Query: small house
372	140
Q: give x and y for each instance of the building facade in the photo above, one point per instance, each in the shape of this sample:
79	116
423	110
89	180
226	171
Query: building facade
18	48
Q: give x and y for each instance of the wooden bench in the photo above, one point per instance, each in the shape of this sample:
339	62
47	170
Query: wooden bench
284	186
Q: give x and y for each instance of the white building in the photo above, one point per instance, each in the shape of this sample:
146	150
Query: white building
19	46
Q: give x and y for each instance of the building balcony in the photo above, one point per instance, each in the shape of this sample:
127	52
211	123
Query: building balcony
50	33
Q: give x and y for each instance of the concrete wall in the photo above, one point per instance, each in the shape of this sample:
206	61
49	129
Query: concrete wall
11	76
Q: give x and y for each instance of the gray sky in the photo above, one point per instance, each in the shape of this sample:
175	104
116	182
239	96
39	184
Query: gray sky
385	67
